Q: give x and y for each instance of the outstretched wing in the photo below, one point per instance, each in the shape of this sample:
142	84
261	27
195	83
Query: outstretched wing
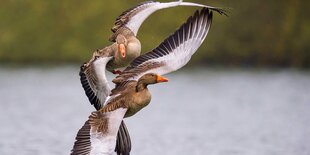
94	82
134	17
174	52
98	134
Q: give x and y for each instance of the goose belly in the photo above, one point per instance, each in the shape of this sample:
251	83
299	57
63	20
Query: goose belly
140	101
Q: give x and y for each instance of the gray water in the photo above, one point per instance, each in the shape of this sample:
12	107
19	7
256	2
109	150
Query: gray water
202	111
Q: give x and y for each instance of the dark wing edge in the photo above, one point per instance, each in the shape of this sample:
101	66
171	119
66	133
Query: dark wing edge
94	81
93	99
123	142
82	145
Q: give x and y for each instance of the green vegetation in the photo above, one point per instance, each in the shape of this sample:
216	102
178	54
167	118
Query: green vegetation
257	33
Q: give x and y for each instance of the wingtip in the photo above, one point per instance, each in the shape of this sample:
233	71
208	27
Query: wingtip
123	143
220	10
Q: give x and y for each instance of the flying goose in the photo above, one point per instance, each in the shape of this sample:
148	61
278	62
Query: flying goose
98	135
126	47
92	73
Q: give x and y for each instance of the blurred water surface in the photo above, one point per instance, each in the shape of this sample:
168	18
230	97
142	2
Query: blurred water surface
199	111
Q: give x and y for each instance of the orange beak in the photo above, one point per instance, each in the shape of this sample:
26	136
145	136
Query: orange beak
122	49
161	79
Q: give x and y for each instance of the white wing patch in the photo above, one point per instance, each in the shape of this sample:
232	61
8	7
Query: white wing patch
136	21
103	88
94	81
104	143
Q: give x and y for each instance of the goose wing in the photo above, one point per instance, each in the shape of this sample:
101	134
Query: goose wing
98	134
134	17
94	81
174	52
123	142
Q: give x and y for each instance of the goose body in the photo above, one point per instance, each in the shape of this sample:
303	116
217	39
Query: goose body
130	95
98	135
133	50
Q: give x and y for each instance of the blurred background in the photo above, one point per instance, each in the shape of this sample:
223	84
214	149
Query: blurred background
259	33
245	91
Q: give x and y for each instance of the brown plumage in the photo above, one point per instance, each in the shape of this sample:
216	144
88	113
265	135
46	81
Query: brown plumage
133	49
124	38
132	95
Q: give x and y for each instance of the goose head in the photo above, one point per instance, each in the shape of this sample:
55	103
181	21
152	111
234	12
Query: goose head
151	78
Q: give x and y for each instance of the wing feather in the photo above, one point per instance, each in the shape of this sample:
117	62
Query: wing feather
98	134
94	81
174	52
123	143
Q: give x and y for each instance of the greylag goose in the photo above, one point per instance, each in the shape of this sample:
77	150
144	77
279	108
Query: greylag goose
98	135
125	49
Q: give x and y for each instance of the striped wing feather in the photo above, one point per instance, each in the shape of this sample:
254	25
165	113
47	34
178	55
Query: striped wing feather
82	145
123	142
94	82
174	52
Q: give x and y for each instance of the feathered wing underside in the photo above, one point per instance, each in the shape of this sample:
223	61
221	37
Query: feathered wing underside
174	52
94	81
82	145
134	17
98	134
